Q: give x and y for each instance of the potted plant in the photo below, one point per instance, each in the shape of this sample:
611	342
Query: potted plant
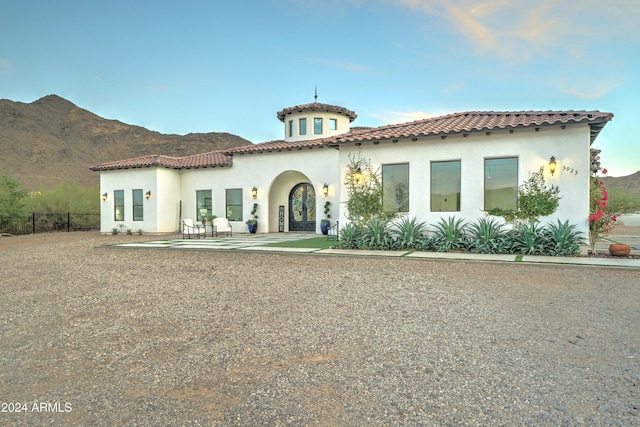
325	224
253	222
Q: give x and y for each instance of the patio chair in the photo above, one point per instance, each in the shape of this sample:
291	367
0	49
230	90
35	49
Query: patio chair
190	229
221	225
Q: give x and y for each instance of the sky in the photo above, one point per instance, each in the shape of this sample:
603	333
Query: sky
230	66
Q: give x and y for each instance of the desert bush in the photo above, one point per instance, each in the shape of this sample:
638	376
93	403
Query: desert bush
408	233
487	236
375	234
449	235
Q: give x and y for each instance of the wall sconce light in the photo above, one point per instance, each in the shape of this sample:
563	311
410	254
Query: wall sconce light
148	194
104	197
552	165
254	192
325	190
595	166
358	176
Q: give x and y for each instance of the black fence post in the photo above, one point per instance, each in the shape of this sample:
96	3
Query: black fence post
68	222
33	222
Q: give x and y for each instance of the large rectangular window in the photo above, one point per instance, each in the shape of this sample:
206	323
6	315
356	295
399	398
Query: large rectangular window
445	186
395	188
317	126
118	205
501	183
234	204
303	126
137	205
203	204
333	124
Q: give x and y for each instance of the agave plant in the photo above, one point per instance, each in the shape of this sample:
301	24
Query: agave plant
563	240
449	235
375	234
529	239
350	237
487	236
408	233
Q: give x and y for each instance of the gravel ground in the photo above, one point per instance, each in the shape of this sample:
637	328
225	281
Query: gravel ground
147	337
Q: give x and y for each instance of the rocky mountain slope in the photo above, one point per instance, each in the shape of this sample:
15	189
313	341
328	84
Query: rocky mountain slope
52	140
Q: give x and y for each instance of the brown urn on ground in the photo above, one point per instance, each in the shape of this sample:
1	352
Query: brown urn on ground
619	249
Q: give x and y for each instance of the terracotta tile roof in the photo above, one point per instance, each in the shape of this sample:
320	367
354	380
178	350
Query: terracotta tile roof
210	159
279	145
467	122
478	121
316	106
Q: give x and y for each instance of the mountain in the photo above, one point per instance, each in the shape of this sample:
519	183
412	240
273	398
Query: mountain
624	192
52	140
630	184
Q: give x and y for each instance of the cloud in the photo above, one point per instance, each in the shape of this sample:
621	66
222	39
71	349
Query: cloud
5	66
588	90
391	117
352	67
454	87
518	30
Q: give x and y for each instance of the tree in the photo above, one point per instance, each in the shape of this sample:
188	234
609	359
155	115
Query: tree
364	192
534	201
12	198
67	197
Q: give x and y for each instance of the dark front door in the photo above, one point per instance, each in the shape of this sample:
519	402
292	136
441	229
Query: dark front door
302	208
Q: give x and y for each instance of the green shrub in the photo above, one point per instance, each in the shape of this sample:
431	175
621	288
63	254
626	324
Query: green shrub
528	239
562	239
375	234
408	233
487	236
449	235
350	237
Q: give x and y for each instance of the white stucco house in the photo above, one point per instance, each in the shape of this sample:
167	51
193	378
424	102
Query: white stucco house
460	164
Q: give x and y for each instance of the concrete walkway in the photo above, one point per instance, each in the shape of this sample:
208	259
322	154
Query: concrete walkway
258	242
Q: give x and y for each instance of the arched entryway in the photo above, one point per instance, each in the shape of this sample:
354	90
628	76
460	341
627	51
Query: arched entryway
302	208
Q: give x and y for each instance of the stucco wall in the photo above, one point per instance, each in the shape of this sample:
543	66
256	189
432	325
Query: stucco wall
532	148
343	125
274	174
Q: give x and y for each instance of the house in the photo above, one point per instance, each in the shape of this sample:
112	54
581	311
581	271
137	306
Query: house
460	164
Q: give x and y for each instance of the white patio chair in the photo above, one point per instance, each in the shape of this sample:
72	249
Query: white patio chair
221	225
190	229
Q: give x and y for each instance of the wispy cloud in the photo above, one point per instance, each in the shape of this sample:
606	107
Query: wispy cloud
588	90
454	87
518	29
390	117
347	66
5	66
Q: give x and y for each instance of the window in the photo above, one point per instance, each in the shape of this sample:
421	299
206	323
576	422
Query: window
501	183
445	186
290	124
395	188
333	124
137	205
234	204
317	126
118	205
203	203
303	126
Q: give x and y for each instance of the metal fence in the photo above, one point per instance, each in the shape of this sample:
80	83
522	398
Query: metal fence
45	223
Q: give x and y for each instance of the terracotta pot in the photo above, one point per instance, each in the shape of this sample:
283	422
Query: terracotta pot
619	249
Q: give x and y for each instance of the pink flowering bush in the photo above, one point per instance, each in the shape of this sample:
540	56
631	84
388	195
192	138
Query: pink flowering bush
601	220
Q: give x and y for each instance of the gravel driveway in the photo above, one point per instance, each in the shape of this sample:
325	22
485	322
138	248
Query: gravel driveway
144	337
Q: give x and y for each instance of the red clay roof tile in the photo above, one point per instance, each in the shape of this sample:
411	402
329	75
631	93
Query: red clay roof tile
316	106
466	122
